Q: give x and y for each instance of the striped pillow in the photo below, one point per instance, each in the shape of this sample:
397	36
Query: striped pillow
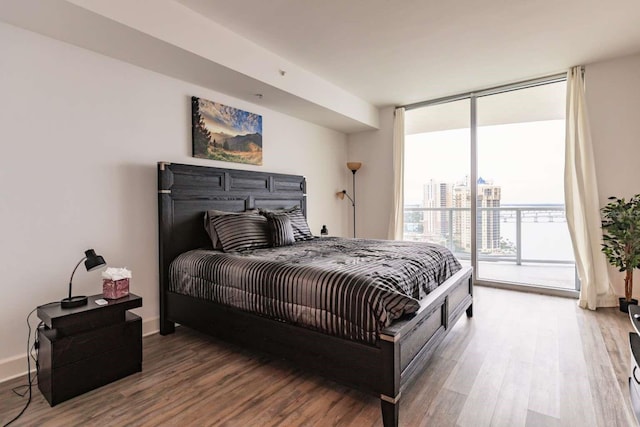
281	230
299	224
240	231
211	231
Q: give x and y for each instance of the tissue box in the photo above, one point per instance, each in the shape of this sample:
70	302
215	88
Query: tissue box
115	282
114	289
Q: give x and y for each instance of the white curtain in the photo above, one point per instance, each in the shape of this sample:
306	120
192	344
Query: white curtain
396	224
581	199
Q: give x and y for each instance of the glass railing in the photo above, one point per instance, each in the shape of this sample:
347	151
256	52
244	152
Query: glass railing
535	236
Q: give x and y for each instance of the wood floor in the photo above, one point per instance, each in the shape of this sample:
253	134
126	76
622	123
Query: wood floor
523	360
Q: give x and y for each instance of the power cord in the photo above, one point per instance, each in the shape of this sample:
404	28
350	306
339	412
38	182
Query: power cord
30	351
34	349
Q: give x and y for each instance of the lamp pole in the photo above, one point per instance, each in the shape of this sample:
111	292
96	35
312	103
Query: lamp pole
353	202
353	167
74	272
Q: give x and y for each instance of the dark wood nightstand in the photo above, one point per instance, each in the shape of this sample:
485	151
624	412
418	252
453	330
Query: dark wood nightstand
87	347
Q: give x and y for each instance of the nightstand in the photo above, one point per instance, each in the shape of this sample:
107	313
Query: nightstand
86	347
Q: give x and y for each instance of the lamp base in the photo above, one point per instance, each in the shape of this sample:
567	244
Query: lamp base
72	302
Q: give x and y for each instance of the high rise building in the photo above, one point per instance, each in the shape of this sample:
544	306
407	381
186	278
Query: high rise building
488	226
487	221
462	218
449	225
436	195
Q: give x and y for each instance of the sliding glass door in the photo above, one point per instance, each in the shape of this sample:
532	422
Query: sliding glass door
504	149
522	231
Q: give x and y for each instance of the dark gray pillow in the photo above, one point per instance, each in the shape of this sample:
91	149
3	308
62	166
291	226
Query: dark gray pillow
211	230
299	224
281	230
240	232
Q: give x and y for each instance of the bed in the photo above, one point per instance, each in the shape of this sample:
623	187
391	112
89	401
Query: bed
381	361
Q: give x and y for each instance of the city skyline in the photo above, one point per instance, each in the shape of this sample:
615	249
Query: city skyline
458	223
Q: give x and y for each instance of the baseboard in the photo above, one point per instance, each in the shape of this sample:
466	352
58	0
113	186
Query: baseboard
14	367
150	326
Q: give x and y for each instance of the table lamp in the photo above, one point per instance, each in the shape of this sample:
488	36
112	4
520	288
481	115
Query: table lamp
92	261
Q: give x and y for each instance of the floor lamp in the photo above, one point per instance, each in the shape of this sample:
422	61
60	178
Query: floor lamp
353	167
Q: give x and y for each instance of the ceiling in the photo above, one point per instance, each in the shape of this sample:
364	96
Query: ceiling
335	62
397	52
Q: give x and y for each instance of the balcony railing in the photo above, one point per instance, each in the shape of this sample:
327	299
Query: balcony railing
507	214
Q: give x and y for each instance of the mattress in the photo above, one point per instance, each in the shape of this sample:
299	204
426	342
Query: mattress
349	288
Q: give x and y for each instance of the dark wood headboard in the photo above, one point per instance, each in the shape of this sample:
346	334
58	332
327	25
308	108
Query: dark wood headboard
185	192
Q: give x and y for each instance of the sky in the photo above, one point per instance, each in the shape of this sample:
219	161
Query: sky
221	118
525	159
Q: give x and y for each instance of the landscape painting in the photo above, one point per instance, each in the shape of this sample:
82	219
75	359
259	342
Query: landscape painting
225	133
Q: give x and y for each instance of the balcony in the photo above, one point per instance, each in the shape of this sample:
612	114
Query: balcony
516	244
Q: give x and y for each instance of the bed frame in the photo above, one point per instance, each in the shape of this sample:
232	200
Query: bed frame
384	369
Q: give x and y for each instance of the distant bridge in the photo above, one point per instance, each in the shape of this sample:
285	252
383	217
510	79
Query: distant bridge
539	214
510	213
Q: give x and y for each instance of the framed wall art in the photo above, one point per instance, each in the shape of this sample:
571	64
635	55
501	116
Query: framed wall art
224	133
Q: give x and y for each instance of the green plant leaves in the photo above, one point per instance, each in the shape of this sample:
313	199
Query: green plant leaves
621	234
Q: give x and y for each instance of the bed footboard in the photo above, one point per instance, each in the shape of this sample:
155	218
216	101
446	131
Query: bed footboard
407	345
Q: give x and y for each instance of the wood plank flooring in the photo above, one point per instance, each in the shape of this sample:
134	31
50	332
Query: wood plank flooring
523	360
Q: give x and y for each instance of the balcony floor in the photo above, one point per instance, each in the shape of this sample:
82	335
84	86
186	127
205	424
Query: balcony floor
560	276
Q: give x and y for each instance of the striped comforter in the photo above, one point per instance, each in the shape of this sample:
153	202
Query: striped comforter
350	288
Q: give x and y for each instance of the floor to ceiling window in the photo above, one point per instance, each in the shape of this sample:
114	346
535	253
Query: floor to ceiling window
504	149
437	159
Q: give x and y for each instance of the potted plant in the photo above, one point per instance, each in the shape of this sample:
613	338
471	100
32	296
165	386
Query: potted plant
621	241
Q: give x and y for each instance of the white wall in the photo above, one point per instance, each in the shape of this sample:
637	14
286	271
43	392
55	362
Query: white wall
613	97
81	135
374	181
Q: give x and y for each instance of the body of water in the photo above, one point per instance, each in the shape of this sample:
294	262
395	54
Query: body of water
541	240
